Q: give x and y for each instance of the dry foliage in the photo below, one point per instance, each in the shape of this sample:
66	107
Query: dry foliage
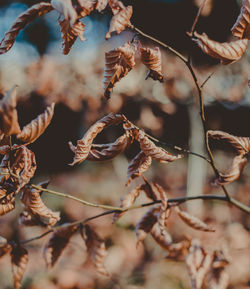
57	243
241	28
227	52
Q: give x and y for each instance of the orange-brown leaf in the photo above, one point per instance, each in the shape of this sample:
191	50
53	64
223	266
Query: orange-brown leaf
161	236
109	151
31	198
8	207
198	263
57	243
70	33
24	166
118	63
146	223
120	21
65	8
193	221
234	172
101	5
4	247
137	166
148	190
36	127
151	57
128	201
226	52
86	7
9	121
164	212
150	149
83	146
22	20
240	144
96	249
241	26
19	262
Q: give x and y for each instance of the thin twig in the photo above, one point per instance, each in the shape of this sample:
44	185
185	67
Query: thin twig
197	17
84	221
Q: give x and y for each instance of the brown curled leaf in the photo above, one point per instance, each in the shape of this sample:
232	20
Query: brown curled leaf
148	190
83	146
161	236
109	151
128	201
118	63
234	172
70	33
101	5
178	251
57	243
65	8
6	208
24	166
4	246
4	149
137	166
146	223
86	7
198	263
240	144
19	262
151	57
227	52
96	249
8	114
120	21
241	27
27	219
36	127
164	212
150	149
31	198
193	221
25	18
116	6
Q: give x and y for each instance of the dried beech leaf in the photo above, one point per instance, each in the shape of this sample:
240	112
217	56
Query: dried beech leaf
101	5
65	8
178	251
24	166
4	149
84	145
8	113
6	208
109	151
151	57
146	223
31	198
164	212
218	278
86	7
198	263
57	243
148	190
19	262
137	166
241	26
120	21
36	127
234	172
25	18
162	237
128	201
96	249
116	6
193	221
118	63
150	149
240	144
4	246
70	34
27	219
227	52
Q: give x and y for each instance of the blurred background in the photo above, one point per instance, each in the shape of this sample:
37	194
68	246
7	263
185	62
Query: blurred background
166	110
